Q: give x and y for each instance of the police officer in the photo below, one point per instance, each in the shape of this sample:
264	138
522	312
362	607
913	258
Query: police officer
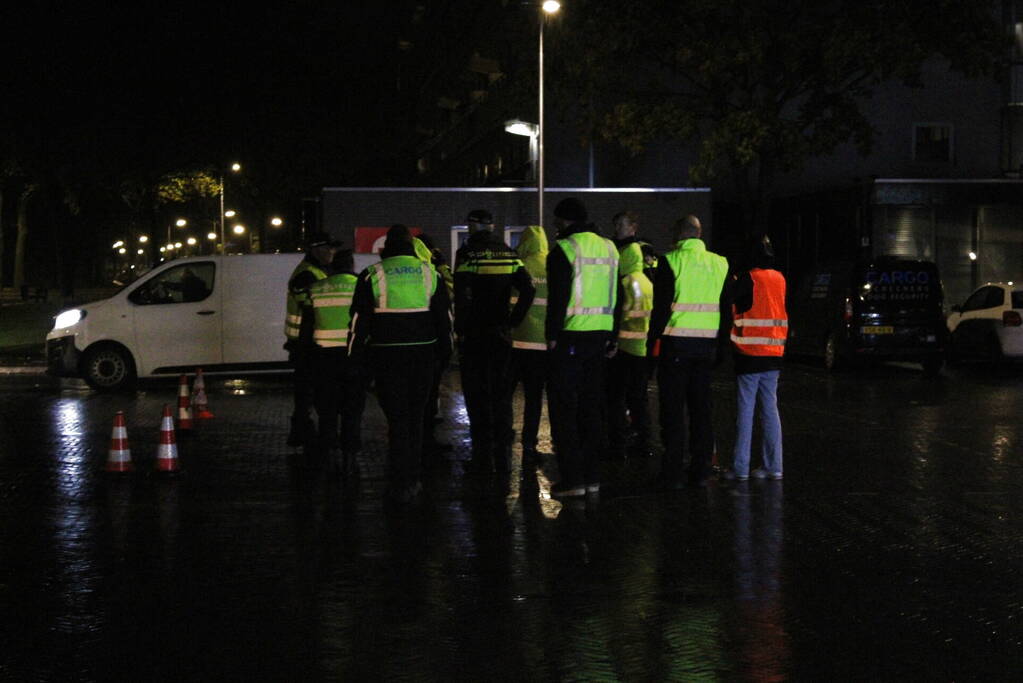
339	384
689	295
529	346
400	319
486	271
298	329
627	369
582	291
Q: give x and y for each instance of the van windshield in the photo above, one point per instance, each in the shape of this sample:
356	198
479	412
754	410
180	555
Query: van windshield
913	284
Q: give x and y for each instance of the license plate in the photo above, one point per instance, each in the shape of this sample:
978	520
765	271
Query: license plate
880	329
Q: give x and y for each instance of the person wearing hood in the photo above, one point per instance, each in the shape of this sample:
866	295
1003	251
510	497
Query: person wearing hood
400	319
759	330
529	346
627	369
486	272
339	384
581	328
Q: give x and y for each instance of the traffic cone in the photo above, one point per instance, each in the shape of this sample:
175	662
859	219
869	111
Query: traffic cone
119	455
167	451
202	408
184	405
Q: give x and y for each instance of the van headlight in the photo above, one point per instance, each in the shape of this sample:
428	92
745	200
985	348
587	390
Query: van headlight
68	318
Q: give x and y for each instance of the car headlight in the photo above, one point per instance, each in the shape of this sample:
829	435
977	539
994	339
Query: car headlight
68	318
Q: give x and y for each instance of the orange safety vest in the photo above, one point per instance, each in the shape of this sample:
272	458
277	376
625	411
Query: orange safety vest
761	330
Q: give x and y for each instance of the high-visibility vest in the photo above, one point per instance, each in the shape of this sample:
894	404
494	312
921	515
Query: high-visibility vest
635	322
402	289
761	330
529	334
332	304
591	303
297	301
699	278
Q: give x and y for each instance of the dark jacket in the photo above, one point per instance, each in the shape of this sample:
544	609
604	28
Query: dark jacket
559	290
482	298
436	323
300	284
685	347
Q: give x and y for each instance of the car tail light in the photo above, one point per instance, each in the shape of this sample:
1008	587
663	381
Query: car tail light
848	309
1011	319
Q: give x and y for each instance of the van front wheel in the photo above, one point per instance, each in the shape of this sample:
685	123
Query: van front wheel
108	367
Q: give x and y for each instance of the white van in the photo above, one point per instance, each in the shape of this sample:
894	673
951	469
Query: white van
218	313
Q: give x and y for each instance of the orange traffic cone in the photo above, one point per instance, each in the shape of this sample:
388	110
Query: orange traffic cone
202	407
119	455
184	405
167	451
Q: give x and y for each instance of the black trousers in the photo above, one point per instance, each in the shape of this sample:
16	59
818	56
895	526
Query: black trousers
403	378
302	359
626	390
575	399
487	386
339	388
684	386
530	368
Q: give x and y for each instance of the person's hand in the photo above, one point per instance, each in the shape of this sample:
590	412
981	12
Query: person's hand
612	349
551	344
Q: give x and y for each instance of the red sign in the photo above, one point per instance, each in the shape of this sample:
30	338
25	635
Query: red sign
371	240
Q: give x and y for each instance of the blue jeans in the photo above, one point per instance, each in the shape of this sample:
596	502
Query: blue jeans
757	387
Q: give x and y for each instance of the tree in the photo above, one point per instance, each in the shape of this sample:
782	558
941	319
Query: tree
760	86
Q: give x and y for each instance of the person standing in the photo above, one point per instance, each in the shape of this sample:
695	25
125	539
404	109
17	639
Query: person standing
400	319
486	271
339	384
529	346
431	416
298	329
689	295
582	273
759	329
626	229
627	369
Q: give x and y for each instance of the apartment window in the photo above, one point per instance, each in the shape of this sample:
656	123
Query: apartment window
932	142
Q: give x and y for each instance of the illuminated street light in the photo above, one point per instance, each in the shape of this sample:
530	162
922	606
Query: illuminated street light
122	250
117	244
236	167
230	213
177	245
163	249
211	235
276	222
238	229
551	6
140	251
143	238
190	241
181	222
973	256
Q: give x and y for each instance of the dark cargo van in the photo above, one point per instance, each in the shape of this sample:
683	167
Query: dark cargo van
883	309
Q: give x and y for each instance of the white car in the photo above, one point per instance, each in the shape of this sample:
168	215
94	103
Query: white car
989	324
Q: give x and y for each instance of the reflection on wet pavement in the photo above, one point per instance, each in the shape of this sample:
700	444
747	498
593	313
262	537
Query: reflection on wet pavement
892	549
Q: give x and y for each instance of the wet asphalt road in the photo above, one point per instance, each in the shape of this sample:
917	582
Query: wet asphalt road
892	550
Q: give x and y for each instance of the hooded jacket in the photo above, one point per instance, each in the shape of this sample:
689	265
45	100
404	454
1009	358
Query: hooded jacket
635	288
533	250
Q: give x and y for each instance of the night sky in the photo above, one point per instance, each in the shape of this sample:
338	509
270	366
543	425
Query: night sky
298	86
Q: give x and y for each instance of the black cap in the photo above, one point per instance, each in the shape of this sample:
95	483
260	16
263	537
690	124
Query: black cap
571	210
320	239
761	251
481	216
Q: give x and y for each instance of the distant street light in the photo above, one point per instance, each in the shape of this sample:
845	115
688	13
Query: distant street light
230	213
143	238
117	244
276	222
191	241
122	250
211	235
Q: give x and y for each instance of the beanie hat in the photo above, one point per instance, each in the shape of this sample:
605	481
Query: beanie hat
481	216
571	209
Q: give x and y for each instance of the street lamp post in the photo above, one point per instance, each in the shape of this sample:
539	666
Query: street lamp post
549	7
235	167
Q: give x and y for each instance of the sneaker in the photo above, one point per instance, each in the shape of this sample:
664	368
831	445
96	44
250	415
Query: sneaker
761	473
730	475
568	491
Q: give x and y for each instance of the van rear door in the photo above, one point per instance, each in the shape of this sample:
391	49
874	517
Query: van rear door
899	303
255	289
